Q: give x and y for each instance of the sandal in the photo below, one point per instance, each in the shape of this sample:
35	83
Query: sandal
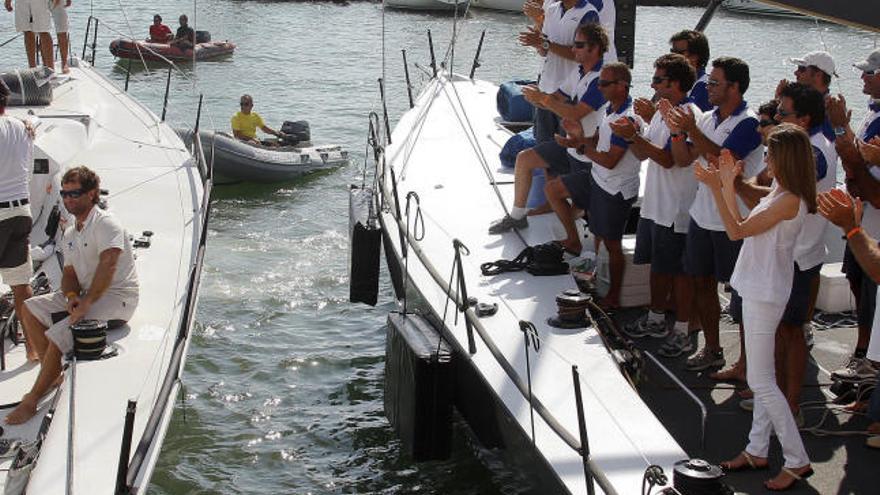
751	463
793	476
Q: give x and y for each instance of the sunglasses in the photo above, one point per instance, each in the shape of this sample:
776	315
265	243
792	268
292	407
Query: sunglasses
766	122
73	193
679	52
603	82
782	113
659	79
582	44
801	68
871	72
713	82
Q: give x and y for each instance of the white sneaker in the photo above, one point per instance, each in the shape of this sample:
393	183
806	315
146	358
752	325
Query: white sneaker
676	345
856	370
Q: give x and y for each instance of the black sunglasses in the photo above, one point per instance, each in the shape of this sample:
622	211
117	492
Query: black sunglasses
871	72
582	44
659	79
782	113
766	122
73	193
603	82
679	52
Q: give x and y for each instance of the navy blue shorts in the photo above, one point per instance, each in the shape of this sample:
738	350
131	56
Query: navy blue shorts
579	182
546	125
799	300
851	267
709	253
556	157
867	302
660	246
608	213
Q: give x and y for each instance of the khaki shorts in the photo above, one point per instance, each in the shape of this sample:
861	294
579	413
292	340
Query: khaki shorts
51	311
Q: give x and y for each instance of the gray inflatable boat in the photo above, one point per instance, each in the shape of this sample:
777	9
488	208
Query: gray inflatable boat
236	161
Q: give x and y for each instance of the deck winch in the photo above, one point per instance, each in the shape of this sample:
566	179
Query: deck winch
89	339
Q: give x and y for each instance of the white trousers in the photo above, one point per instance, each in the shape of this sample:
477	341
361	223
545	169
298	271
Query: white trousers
771	412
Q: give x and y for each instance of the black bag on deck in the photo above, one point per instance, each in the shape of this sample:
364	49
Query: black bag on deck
296	131
366	239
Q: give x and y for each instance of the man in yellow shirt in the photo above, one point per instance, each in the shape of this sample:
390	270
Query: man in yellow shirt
245	122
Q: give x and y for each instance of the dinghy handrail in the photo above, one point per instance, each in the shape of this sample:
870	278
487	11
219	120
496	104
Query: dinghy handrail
474	322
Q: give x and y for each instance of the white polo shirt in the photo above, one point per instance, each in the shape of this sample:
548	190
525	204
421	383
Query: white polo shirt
624	177
810	249
869	128
82	250
16	159
739	134
583	87
669	192
560	27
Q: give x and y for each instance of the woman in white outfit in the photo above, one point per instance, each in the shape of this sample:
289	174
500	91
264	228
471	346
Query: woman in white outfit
763	277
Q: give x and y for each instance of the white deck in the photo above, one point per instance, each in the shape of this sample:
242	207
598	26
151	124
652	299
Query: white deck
434	153
153	185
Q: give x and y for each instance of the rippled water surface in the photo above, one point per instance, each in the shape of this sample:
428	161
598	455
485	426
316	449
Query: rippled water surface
284	377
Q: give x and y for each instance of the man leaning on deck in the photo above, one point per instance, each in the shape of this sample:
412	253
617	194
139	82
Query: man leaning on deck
98	282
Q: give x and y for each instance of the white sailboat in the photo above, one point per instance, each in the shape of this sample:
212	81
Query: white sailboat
445	150
100	431
449	5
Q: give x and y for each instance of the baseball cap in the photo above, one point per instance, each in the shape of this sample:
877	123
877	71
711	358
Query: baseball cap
871	63
822	60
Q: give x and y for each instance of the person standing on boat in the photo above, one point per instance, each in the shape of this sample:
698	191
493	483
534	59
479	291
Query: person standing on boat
17	143
32	17
553	41
185	38
669	192
614	174
245	122
763	276
846	212
160	33
710	253
99	281
815	70
863	182
62	27
804	107
694	46
577	99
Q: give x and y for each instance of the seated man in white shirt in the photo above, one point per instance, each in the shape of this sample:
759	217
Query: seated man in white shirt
98	282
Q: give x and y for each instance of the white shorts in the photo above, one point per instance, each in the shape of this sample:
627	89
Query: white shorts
50	307
33	15
59	17
19	275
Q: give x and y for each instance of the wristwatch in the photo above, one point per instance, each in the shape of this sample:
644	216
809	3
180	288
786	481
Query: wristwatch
545	43
839	131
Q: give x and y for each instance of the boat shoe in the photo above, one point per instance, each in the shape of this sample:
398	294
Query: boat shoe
508	223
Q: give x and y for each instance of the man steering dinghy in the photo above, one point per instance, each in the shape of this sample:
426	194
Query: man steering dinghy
245	123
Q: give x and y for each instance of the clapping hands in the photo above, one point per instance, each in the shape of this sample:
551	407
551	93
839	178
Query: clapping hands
870	150
644	108
625	128
838	114
531	37
534	10
681	119
840	208
720	172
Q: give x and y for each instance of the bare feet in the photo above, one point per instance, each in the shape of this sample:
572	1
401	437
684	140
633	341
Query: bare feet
736	373
788	477
544	208
23	412
65	69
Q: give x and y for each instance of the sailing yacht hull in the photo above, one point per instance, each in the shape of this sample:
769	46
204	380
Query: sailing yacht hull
445	151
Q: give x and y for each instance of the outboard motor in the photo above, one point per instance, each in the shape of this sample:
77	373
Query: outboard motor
295	132
203	36
699	477
28	86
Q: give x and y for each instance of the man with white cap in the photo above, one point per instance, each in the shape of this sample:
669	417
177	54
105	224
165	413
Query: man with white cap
862	181
815	70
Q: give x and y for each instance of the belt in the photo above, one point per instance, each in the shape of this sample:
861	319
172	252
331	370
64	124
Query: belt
13	204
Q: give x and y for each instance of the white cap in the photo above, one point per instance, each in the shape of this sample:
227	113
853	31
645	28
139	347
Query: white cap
822	60
871	63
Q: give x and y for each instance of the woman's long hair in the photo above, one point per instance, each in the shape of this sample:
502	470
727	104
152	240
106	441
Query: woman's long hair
793	164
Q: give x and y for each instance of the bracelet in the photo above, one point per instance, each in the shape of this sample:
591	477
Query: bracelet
855	230
679	137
